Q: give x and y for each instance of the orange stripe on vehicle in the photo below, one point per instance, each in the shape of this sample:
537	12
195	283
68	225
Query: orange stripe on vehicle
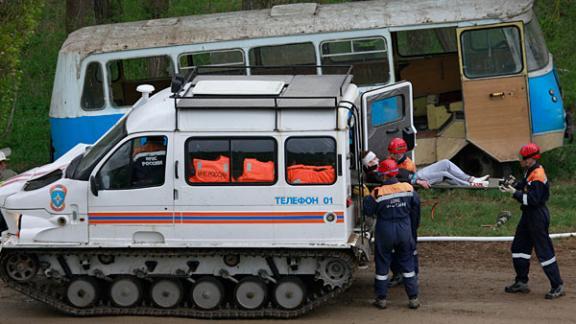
138	222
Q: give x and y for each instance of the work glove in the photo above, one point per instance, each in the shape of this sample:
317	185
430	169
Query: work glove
508	189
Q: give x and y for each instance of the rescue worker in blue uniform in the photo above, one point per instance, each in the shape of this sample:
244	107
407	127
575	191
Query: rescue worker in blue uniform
415	216
532	232
393	204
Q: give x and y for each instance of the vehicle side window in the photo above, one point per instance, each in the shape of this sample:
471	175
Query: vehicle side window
301	54
369	56
138	163
386	110
491	52
426	41
310	160
125	75
93	92
231	161
224	61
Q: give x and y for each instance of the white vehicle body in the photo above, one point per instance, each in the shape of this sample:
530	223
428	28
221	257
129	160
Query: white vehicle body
178	214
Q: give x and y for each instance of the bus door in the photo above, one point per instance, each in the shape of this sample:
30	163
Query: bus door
494	87
387	113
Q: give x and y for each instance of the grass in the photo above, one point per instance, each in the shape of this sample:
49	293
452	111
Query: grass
464	212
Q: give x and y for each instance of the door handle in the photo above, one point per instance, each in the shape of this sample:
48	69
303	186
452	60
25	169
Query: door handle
497	94
176	169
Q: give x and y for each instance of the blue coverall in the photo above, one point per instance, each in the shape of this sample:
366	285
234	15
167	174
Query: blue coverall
532	232
414	224
393	208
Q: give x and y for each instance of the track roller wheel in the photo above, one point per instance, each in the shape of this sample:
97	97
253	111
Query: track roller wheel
289	293
21	267
208	293
82	292
251	293
125	292
166	293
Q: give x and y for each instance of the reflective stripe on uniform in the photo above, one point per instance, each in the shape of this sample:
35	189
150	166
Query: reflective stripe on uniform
521	255
525	199
396	195
379	277
549	262
409	274
415	252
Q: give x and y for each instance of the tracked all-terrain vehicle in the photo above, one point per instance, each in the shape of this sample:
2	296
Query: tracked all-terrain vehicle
222	197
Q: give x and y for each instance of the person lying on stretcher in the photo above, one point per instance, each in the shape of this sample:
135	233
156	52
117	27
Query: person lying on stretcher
441	171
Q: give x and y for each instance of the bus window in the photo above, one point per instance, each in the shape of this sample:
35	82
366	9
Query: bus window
310	160
491	52
93	92
126	75
223	60
287	54
426	41
368	55
536	51
235	160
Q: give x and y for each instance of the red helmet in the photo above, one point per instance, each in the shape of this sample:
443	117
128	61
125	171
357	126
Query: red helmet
530	150
388	167
397	146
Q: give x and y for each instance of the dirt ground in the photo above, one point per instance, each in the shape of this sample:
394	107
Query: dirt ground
460	283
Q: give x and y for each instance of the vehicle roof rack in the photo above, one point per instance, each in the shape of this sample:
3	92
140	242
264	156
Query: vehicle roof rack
272	92
178	81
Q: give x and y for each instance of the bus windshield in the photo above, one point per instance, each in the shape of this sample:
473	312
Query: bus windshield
97	152
536	51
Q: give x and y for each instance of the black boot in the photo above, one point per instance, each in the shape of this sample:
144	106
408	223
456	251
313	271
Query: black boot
555	292
517	287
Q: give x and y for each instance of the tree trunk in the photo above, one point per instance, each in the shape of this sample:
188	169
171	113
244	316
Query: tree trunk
156	8
255	4
77	14
107	11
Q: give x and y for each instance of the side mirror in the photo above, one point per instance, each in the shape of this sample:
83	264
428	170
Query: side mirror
93	186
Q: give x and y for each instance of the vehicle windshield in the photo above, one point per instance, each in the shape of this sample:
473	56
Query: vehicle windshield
96	152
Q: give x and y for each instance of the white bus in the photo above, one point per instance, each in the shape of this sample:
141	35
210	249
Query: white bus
484	81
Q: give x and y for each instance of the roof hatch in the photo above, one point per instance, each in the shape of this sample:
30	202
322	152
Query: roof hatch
238	87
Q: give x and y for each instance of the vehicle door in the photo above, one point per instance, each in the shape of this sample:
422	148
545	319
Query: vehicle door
494	87
387	113
131	192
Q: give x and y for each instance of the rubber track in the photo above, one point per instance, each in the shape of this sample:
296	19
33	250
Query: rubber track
32	290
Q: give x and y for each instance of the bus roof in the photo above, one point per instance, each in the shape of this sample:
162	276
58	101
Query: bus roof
286	20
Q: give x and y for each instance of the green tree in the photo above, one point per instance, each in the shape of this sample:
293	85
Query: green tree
18	22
